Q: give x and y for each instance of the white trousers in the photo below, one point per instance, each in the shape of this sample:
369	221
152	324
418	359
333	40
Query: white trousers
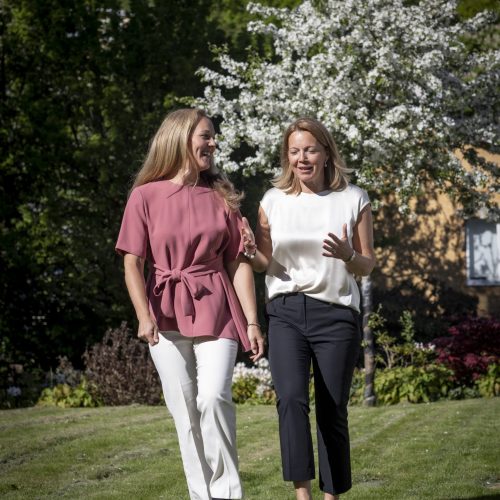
196	377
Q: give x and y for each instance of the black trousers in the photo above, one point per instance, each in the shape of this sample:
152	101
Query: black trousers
304	330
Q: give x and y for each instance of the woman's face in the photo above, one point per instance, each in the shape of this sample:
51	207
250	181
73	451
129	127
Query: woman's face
307	158
203	144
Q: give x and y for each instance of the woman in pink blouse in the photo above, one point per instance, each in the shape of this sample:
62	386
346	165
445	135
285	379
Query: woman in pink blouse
198	301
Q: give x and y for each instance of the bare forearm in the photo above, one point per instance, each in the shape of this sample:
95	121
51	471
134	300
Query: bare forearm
362	265
241	275
134	279
259	263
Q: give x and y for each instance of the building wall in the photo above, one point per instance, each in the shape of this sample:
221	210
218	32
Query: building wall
422	260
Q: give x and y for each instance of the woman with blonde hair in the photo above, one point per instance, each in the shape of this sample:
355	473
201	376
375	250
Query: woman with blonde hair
314	233
198	301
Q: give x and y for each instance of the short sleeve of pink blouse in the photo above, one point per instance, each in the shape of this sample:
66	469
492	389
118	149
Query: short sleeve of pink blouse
133	237
187	234
235	242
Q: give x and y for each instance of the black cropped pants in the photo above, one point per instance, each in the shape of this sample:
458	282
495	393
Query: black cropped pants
304	330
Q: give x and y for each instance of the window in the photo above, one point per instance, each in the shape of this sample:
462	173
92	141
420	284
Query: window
483	252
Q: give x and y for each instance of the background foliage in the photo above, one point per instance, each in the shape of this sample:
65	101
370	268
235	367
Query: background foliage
83	85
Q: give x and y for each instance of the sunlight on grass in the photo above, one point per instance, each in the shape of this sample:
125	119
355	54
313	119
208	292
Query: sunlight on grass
443	450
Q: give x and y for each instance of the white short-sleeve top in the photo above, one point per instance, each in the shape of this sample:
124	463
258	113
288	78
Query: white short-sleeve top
298	225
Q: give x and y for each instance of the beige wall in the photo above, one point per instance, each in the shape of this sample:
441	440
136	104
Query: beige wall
428	250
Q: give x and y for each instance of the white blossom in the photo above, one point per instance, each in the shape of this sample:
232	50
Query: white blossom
393	82
259	371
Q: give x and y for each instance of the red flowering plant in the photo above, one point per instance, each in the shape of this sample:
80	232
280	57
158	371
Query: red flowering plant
470	348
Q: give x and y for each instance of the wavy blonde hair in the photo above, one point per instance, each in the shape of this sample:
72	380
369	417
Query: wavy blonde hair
170	151
337	175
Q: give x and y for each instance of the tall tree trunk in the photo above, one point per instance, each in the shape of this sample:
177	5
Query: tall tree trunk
369	397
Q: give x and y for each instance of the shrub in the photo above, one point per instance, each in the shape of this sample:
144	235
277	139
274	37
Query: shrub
414	384
463	392
65	373
399	351
244	389
20	382
356	395
67	388
471	347
120	371
409	372
66	396
488	384
253	384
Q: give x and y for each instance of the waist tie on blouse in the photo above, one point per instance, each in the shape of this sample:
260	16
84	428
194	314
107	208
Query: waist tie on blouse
190	288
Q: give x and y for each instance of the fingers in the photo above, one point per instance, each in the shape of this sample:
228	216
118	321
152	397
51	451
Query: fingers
255	357
257	345
258	350
337	248
330	249
246	230
246	225
150	338
148	332
329	246
335	238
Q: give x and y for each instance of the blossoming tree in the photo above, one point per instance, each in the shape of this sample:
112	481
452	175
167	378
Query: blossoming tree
393	81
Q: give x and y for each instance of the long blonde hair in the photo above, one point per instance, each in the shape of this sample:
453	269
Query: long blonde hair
170	151
336	173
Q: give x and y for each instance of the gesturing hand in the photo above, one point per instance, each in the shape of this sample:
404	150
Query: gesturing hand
248	237
336	247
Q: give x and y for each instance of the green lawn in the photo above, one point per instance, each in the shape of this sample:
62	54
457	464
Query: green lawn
443	450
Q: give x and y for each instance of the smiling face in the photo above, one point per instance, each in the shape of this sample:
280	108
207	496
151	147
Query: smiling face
307	157
203	144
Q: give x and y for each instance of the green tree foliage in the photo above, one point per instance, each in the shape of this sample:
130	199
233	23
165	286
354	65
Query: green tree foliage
487	38
232	17
83	85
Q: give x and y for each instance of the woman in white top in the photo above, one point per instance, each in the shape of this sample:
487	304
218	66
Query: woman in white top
314	233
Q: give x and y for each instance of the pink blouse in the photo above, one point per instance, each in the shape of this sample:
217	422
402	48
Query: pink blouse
187	234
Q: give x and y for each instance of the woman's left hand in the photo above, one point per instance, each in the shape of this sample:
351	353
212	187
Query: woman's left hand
256	342
338	248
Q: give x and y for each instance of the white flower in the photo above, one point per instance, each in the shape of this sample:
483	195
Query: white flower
259	371
390	80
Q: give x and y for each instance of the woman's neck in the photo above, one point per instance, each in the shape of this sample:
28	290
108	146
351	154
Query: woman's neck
184	178
313	188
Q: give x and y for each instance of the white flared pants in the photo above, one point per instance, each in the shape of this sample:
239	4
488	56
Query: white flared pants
196	376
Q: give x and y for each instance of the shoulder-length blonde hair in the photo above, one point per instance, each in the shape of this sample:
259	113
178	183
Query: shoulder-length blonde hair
170	151
337	175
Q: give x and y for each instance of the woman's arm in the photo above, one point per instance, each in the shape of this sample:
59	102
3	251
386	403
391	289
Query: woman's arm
134	279
241	275
261	244
362	261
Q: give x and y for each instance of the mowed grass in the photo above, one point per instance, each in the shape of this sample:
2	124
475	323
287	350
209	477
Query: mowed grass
444	450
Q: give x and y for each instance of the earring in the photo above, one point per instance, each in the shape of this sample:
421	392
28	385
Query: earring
326	164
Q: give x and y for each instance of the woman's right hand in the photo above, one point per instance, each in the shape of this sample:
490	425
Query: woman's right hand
148	331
